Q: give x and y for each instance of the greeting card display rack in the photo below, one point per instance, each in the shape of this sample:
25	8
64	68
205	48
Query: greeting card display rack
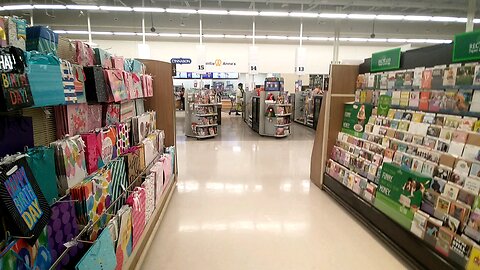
201	114
439	231
307	108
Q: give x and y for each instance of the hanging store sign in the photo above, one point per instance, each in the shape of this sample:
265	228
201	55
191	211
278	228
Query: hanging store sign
300	60
252	60
181	61
466	47
201	52
386	60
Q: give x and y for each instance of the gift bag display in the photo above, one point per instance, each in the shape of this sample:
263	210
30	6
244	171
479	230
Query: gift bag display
149	186
95	85
119	181
41	39
137	91
94	117
15	88
127	110
61	228
124	243
70	162
41	160
137	200
68	80
147	85
84	54
101	255
115	84
16	32
123	138
102	58
22	200
45	79
118	62
133	65
23	255
67	50
157	171
16	133
111	114
133	163
79	83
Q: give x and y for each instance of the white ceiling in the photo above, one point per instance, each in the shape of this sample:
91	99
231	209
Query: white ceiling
215	24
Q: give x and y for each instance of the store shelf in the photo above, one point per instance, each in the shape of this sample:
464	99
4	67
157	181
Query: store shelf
209	125
138	255
206	136
412	249
283	105
283	115
205	105
282	125
281	136
205	115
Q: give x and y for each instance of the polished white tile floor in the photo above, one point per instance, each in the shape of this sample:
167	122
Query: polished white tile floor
246	202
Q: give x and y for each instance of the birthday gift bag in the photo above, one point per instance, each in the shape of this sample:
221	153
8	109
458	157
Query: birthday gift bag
137	200
22	200
115	84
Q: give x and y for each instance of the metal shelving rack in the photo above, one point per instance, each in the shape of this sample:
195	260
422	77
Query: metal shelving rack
201	115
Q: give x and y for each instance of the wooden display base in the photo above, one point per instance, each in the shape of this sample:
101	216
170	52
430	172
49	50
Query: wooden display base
412	249
137	257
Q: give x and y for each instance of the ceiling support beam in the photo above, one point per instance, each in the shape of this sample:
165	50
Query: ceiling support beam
472	5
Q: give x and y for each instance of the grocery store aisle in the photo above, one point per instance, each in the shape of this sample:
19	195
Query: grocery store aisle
246	202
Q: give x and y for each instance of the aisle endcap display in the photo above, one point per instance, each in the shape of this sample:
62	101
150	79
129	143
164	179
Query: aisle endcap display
201	114
105	175
407	157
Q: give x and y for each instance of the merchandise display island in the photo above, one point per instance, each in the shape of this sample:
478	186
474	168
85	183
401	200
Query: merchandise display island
404	155
89	167
201	114
269	113
306	108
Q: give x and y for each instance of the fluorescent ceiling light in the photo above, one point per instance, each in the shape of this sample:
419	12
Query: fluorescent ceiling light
377	40
148	9
60	31
462	20
361	16
354	39
102	33
417	40
190	35
124	34
277	37
476	20
116	8
295	38
243	12
333	15
438	41
49	7
236	36
169	34
81	32
418	18
17	7
444	19
181	10
258	37
274	13
319	38
82	7
390	17
149	34
303	15
212	12
213	36
397	40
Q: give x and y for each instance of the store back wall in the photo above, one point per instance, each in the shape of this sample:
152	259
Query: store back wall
272	58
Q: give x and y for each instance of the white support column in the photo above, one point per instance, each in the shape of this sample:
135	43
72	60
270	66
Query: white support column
89	28
336	40
472	6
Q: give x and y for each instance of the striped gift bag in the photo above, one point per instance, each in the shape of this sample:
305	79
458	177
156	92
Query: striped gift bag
68	81
119	182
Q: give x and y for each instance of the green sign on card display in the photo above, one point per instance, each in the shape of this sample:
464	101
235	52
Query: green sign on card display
386	60
466	47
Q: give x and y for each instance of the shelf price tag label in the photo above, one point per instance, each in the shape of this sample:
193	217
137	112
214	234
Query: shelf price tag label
252	60
201	52
300	60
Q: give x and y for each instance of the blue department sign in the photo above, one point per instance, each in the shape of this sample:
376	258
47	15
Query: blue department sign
181	61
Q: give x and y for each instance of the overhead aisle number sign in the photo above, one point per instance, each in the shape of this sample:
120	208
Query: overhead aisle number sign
252	60
386	60
466	47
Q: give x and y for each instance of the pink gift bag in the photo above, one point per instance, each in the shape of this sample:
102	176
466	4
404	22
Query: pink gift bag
114	79
157	169
128	79
94	116
137	86
118	62
147	85
137	200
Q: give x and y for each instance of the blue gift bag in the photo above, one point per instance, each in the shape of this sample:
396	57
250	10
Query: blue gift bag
100	256
45	77
42	162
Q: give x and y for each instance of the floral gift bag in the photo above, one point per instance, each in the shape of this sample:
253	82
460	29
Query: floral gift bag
137	200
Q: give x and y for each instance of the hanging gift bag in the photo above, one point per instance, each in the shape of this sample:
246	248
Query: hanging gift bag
119	181
42	39
137	200
133	65
123	138
149	186
16	133
94	116
45	79
92	154
22	201
77	118
79	83
107	141
124	243
147	85
116	85
150	152
137	86
68	80
127	110
16	32
24	255
42	162
118	62
133	164
67	50
101	255
157	170
111	114
15	88
84	54
128	80
102	58
95	85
